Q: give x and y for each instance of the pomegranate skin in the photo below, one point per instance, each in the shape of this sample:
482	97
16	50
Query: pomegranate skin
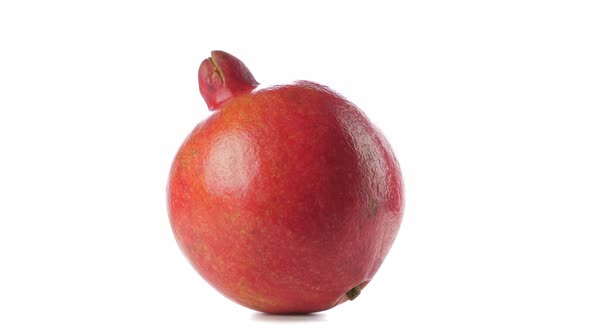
286	198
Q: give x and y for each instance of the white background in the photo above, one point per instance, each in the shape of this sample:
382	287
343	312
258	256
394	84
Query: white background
486	104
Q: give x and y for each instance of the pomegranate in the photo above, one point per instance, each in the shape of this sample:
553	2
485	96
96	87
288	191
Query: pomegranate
286	199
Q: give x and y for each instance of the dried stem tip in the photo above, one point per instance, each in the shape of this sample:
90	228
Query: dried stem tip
354	293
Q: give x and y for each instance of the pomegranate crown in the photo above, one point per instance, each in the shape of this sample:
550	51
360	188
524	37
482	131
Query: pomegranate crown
222	77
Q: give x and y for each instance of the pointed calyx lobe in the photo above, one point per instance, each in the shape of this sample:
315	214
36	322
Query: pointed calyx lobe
222	77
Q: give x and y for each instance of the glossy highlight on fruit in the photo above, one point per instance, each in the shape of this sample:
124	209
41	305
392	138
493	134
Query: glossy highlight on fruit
286	199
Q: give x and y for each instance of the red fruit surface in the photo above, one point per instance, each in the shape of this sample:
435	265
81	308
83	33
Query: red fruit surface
286	198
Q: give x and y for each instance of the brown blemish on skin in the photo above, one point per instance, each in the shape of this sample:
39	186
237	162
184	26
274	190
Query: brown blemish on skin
372	208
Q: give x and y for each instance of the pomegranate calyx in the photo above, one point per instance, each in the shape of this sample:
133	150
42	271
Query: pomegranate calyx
222	77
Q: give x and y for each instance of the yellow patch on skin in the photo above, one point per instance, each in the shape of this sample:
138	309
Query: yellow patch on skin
249	296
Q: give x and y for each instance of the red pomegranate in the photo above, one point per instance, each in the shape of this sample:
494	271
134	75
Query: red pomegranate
286	199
